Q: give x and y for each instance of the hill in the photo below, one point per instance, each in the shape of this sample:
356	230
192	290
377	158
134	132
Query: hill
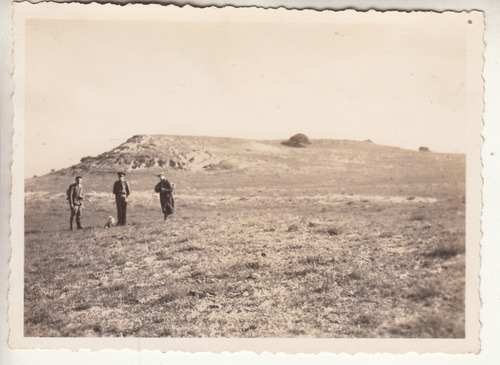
190	153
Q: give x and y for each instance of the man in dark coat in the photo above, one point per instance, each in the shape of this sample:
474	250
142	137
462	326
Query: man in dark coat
165	189
75	198
121	190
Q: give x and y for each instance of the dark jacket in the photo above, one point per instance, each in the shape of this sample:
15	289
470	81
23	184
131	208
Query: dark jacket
75	194
121	189
164	187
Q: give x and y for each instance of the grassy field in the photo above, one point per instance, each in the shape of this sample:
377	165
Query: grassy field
368	247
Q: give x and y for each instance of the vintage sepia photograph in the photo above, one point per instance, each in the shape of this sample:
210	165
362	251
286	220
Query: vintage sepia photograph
245	173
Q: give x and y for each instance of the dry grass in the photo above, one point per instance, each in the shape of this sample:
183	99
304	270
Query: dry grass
250	257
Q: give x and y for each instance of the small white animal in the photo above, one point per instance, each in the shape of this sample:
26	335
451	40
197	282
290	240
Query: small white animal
110	222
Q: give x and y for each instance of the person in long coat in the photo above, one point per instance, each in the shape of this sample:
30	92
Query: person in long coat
165	189
121	190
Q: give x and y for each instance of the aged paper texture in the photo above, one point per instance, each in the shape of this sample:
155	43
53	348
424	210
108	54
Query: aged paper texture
326	168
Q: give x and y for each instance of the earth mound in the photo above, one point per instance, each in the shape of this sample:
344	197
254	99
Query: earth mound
214	155
189	153
152	151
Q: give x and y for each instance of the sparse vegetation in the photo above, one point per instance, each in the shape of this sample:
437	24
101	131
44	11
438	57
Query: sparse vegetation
331	230
278	252
445	251
417	216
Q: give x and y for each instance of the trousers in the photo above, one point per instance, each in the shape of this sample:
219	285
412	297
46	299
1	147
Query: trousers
76	212
121	209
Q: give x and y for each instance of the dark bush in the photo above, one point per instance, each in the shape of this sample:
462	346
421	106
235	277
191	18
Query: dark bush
297	140
424	149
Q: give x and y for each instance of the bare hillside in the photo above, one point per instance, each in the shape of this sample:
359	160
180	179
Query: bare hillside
189	153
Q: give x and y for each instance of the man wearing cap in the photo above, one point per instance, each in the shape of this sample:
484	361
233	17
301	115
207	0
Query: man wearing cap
122	192
165	189
75	197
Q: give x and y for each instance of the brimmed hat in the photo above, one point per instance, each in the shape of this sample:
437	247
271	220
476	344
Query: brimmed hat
121	173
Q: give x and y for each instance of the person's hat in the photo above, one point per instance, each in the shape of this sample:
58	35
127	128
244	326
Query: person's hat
78	177
121	173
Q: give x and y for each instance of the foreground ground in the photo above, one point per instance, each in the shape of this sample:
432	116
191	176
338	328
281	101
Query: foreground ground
247	256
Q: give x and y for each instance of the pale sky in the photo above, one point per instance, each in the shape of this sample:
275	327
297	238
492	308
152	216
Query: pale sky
90	85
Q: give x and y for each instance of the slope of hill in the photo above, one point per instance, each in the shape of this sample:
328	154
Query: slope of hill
189	153
175	152
338	239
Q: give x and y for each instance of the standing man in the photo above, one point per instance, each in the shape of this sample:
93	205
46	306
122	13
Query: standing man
165	188
75	198
122	192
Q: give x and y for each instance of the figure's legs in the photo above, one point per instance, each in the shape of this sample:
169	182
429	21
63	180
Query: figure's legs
163	207
71	218
124	212
166	211
78	216
118	211
167	205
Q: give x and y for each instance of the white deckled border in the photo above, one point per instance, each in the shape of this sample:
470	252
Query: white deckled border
217	345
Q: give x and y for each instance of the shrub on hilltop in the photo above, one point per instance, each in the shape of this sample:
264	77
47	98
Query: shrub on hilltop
297	140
